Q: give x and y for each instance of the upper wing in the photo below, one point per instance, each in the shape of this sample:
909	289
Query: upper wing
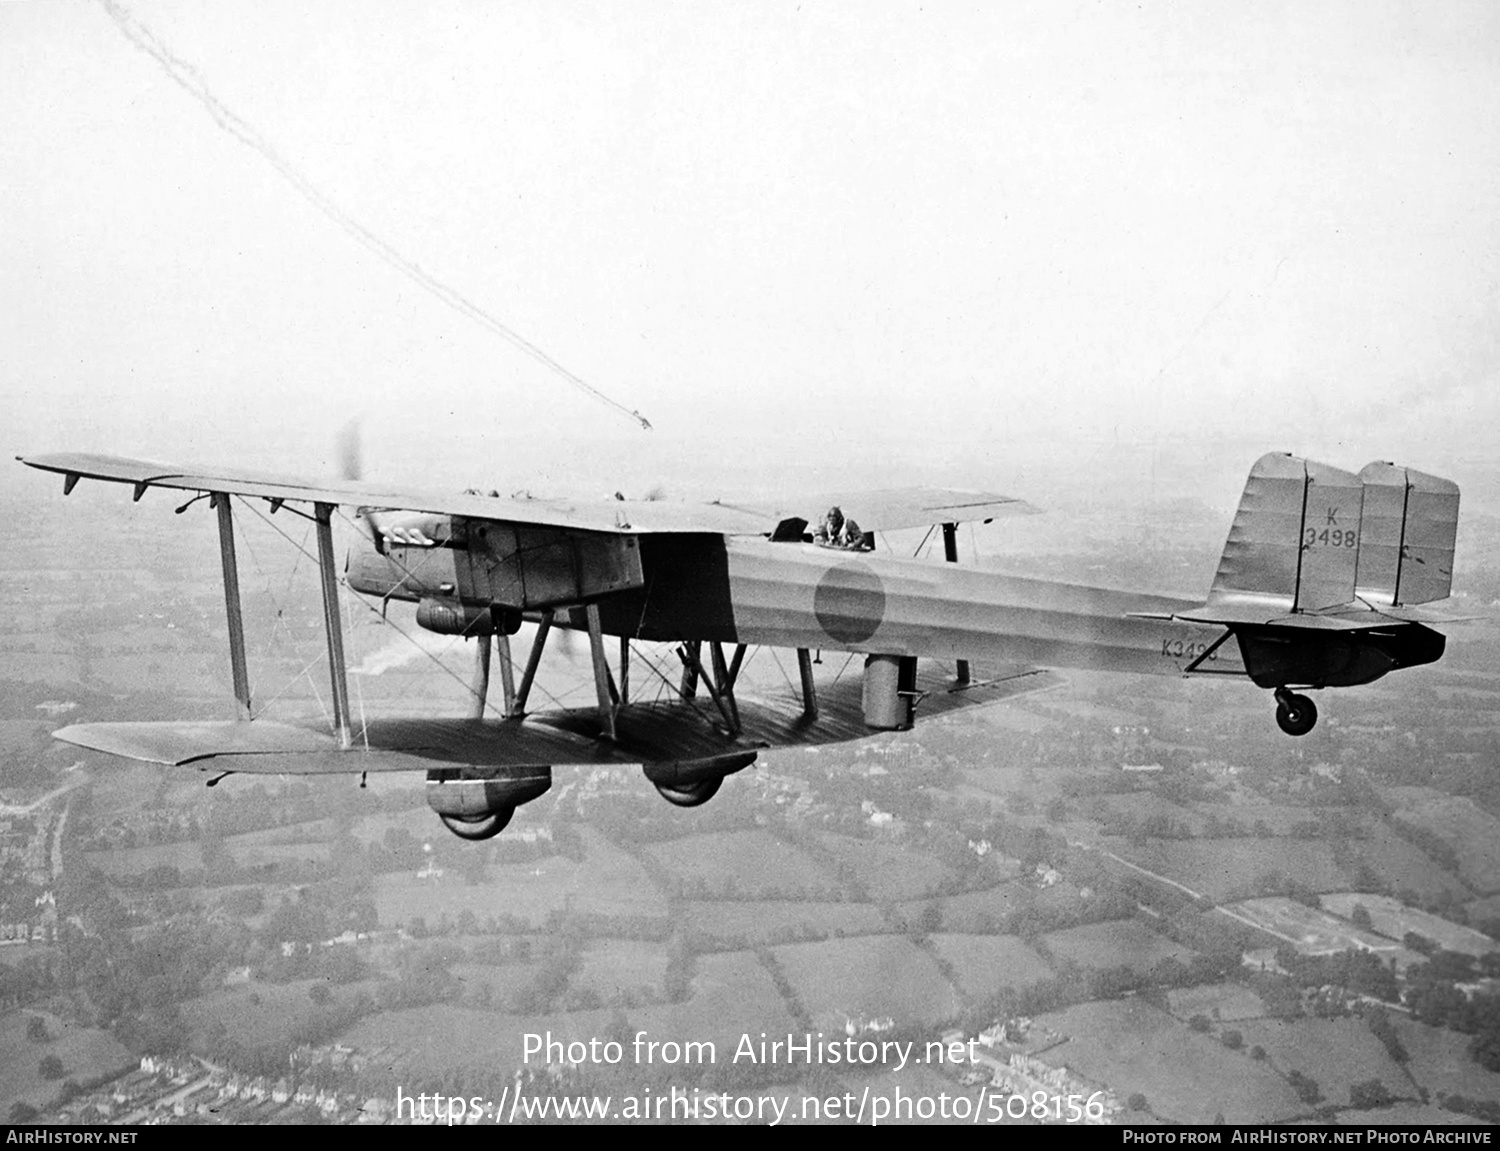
606	515
894	508
875	511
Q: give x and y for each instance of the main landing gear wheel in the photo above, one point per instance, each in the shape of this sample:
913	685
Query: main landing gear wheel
1296	714
692	794
485	827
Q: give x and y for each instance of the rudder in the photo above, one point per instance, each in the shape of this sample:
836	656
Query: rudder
1408	530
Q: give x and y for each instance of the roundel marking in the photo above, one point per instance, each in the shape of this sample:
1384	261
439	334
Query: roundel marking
850	602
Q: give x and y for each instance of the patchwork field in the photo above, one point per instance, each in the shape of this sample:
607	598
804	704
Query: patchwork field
868	977
1473	833
258	1013
622	969
433	1041
983	964
1227	869
505	982
744	865
1120	942
607	883
86	1054
980	911
1335	1053
1226	1002
1440	1061
131	861
1312	931
887	871
1405	868
732	995
1393	919
748	923
1186	1077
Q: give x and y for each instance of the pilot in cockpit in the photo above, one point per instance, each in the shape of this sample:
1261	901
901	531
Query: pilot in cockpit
830	529
835	531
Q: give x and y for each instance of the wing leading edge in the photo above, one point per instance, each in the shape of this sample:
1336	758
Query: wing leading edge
876	511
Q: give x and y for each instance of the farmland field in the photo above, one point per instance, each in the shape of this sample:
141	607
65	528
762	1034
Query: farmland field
1404	867
258	1013
868	977
1393	920
732	995
1186	1077
621	969
1228	869
505	981
1473	833
435	1040
742	864
86	1053
1440	1061
888	871
608	883
1336	1053
983	964
1310	930
138	860
982	911
1229	1002
1120	942
748	923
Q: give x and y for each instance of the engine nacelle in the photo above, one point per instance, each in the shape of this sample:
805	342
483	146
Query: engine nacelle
454	617
477	802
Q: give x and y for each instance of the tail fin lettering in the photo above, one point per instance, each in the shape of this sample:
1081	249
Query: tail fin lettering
1295	539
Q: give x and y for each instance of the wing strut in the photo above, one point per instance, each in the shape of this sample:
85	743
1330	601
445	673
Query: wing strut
331	622
232	606
507	672
950	551
809	689
481	688
603	687
721	692
624	670
689	688
533	660
724	681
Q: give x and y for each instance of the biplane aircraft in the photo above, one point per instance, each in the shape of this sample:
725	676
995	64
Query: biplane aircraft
1320	585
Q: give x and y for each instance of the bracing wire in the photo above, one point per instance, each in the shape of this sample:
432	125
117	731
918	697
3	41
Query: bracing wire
186	77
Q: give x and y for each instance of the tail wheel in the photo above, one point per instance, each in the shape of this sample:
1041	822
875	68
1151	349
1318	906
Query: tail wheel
1296	714
692	794
485	827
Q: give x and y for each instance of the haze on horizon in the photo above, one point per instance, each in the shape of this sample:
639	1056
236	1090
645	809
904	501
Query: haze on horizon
872	243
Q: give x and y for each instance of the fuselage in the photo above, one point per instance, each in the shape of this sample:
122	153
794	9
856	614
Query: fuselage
753	590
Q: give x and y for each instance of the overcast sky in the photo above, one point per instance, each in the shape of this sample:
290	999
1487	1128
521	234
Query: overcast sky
970	235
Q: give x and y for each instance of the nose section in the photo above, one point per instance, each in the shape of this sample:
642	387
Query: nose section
371	573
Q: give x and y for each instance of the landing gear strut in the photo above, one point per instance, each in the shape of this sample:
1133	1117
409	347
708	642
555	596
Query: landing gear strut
1296	714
